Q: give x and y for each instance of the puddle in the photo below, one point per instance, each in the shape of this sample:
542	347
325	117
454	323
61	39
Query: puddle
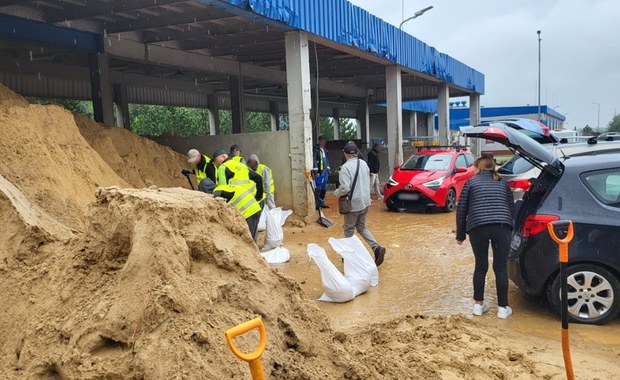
424	272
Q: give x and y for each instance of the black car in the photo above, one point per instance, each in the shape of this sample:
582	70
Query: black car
584	189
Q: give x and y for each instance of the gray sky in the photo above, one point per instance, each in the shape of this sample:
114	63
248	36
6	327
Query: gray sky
580	49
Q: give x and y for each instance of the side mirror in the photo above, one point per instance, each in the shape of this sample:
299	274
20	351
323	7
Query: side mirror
461	169
397	167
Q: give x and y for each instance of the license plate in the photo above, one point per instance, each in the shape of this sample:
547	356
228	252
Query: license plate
409	197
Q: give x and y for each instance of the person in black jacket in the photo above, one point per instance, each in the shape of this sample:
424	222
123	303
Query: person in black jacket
375	164
485	212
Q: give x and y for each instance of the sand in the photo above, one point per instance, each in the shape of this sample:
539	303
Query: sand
102	282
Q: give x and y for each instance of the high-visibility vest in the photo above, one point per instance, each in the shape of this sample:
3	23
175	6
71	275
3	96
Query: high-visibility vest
241	175
237	158
243	199
201	173
272	187
322	159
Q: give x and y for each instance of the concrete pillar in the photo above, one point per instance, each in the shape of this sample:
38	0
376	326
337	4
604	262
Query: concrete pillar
336	123
300	122
413	124
237	104
394	115
101	88
122	106
358	130
214	115
430	124
363	116
443	113
275	116
474	118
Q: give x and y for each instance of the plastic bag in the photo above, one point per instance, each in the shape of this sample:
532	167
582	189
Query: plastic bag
336	288
359	267
262	223
274	234
277	255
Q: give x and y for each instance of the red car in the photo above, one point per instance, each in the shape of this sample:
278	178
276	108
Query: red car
432	177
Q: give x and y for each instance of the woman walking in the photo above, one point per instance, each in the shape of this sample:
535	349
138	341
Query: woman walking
485	212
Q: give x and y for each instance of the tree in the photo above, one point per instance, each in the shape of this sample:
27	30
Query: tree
82	107
178	121
327	128
348	129
587	131
614	124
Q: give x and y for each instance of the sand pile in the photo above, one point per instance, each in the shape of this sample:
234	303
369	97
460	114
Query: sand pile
46	157
148	290
138	160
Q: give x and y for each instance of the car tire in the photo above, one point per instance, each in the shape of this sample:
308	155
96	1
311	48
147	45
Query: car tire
604	304
450	204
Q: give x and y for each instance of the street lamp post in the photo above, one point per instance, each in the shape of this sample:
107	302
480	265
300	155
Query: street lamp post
598	122
539	39
415	15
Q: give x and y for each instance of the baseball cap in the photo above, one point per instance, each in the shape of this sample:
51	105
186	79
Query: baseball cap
193	156
350	149
234	147
218	153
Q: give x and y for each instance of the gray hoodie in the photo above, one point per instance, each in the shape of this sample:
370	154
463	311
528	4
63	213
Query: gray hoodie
360	199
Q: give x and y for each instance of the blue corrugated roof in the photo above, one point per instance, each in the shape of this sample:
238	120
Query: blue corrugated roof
347	24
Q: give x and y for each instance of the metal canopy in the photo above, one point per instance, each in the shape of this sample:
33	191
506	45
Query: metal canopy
189	45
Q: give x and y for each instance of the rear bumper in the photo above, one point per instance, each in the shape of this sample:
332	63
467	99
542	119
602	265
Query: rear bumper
531	262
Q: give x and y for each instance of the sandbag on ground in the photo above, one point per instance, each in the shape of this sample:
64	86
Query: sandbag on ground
336	287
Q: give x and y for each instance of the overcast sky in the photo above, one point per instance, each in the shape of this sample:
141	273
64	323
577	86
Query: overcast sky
580	49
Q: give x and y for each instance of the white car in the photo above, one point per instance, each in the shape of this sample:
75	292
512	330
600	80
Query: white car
520	173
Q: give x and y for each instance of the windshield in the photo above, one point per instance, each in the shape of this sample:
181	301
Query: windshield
516	165
428	162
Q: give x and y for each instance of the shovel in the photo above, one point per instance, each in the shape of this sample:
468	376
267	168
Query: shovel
253	358
323	221
190	181
552	227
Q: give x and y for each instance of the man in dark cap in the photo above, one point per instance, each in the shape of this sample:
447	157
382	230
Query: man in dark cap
235	154
320	170
354	182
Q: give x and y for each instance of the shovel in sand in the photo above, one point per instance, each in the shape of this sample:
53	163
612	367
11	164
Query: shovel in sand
567	226
190	181
253	358
323	221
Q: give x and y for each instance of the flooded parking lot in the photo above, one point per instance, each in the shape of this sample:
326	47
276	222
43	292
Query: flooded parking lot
426	273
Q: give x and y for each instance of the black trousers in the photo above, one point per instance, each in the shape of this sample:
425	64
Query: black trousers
499	236
253	225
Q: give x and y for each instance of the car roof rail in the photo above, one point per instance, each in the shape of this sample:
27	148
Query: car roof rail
458	148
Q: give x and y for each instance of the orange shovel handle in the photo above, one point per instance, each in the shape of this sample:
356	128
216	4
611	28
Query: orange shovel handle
562	243
253	358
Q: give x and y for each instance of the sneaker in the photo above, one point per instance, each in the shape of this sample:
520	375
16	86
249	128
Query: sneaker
504	312
480	309
379	255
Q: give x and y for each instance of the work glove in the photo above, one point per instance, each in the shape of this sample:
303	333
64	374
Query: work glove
186	172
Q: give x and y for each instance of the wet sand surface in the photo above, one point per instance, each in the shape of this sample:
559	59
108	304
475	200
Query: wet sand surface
426	273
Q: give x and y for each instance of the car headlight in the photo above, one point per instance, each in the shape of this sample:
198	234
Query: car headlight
434	184
392	182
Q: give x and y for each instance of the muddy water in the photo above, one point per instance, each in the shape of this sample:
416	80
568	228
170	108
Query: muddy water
425	272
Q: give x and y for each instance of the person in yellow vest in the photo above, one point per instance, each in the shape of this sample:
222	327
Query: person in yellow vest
231	172
203	166
235	154
269	186
239	197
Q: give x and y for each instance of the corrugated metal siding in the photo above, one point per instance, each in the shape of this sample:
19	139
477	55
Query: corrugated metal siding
162	96
46	87
347	24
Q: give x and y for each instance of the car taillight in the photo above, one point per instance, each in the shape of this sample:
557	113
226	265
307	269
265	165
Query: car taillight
520	185
535	224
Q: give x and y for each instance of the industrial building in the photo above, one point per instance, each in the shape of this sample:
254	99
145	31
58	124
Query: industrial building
303	58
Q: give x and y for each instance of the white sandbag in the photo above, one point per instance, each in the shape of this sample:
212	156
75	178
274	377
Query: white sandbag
262	222
284	214
273	234
359	267
277	255
336	288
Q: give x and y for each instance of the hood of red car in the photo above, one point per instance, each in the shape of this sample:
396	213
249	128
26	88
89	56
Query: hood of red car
415	177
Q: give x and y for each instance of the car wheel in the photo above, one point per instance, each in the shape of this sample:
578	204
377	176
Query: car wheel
450	204
593	294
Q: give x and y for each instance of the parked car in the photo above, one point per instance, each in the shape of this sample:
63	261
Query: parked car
584	189
520	173
431	177
609	136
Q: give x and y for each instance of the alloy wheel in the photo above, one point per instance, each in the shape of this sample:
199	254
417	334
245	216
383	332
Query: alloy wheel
590	295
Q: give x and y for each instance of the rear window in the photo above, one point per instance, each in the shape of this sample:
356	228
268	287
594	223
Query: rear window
516	165
428	162
605	185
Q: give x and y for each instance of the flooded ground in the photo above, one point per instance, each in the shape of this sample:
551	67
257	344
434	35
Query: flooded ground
426	273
